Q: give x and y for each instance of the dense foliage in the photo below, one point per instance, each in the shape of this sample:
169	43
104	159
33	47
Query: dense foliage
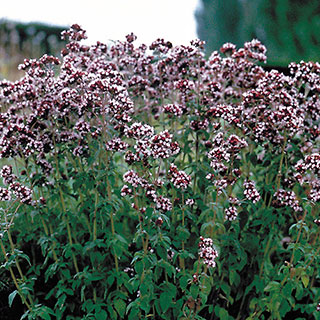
288	28
151	183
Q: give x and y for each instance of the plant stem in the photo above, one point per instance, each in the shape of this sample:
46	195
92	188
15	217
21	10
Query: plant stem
111	218
281	161
294	249
197	161
182	262
266	250
15	279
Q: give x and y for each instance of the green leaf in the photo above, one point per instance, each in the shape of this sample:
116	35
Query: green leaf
226	289
162	252
183	281
134	313
120	306
20	254
305	280
221	313
165	301
284	308
11	297
194	290
183	233
287	289
234	277
138	267
272	286
206	287
101	315
145	304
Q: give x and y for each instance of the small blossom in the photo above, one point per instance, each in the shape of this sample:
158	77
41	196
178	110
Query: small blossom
179	178
130	271
170	254
189	202
317	222
250	191
159	222
7	174
218	166
234	143
138	131
207	252
173	109
133	178
21	192
220	185
82	127
116	144
162	145
125	190
228	48
163	203
234	200
231	213
219	154
5	194
286	198
199	125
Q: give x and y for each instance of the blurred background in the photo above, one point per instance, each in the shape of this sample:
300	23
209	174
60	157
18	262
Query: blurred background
288	28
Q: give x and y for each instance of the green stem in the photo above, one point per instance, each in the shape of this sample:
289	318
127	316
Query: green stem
15	279
294	249
266	250
281	162
182	262
112	220
66	220
197	161
95	217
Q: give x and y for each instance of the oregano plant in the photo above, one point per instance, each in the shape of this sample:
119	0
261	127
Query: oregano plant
152	182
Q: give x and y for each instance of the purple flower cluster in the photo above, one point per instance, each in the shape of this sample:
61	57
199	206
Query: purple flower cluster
162	145
21	192
222	152
7	174
314	193
174	109
179	178
116	144
162	203
250	191
207	252
231	213
310	162
125	190
308	173
138	131
5	194
190	202
133	178
64	108
286	198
